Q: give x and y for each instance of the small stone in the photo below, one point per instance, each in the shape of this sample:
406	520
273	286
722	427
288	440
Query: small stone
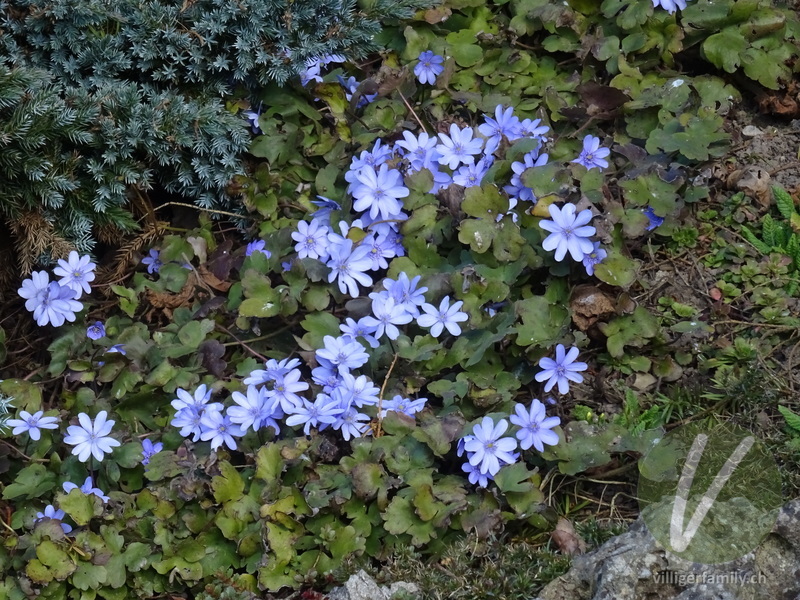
362	587
751	131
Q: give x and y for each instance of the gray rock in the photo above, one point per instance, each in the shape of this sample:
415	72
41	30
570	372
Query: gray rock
362	587
634	566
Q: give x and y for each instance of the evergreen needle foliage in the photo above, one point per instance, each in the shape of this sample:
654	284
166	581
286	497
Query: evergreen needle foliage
98	96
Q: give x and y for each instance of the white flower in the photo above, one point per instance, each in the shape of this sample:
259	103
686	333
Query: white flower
76	273
91	437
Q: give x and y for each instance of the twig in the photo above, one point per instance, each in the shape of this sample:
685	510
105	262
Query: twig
210	210
377	431
243	344
22	454
261	337
413	112
790	165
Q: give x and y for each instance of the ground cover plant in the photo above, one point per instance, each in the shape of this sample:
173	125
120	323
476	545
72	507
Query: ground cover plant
457	283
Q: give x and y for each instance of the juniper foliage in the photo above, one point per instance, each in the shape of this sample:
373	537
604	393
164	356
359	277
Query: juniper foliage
97	96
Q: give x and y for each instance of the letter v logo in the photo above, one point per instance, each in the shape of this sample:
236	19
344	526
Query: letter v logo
679	537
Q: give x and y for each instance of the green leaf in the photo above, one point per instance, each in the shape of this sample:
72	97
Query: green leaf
617	269
792	418
31	482
764	68
51	563
724	49
228	485
88	576
466	55
483	202
269	462
400	517
163	465
81	507
757	243
783	201
629	330
543	323
194	332
477	233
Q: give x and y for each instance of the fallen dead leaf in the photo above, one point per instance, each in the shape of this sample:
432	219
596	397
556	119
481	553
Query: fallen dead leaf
566	538
587	304
753	181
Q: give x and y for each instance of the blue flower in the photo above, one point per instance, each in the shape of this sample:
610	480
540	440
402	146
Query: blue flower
96	331
49	302
149	449
120	348
312	240
419	151
505	124
87	488
323	411
351	423
351	85
153	261
327	59
32	423
311	72
326	207
533	129
407	406
218	429
379	250
50	512
327	378
197	401
562	370
285	388
379	192
190	410
359	329
274	370
593	156
655	220
91	437
471	175
252	119
348	267
459	147
517	188
386	316
429	67
405	292
534	426
341	352
360	390
257	246
568	232
595	257
252	409
489	449
670	5
187	421
445	316
475	475
76	273
373	158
